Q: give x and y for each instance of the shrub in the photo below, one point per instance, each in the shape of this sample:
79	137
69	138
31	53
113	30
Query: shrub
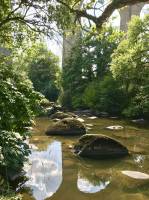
105	96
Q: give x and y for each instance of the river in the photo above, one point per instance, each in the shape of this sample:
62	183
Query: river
55	173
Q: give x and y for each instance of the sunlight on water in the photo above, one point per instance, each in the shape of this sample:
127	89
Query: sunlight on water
45	171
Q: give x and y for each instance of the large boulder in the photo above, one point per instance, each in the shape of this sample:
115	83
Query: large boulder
62	115
67	126
99	147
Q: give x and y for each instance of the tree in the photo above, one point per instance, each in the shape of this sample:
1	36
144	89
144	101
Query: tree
44	72
105	96
18	105
99	49
73	79
88	62
130	65
40	15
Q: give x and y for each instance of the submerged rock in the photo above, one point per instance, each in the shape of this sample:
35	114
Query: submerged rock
116	127
67	126
138	121
62	115
100	147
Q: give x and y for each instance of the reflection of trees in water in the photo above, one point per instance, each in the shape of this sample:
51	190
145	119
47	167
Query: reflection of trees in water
94	177
139	160
142	188
91	183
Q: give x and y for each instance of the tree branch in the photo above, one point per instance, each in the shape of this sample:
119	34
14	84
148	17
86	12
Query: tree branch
115	4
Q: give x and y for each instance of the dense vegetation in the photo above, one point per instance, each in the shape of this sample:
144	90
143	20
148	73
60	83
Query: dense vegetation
108	72
130	66
18	104
43	70
22	60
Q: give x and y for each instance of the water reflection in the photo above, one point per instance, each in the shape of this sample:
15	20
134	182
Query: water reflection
139	160
103	179
91	183
45	171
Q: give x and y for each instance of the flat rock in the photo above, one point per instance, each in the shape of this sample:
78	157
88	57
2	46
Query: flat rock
92	117
136	175
99	147
115	127
90	125
80	119
67	126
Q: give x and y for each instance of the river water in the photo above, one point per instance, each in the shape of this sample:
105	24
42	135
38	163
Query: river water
55	173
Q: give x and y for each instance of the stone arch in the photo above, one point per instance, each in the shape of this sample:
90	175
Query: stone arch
144	10
127	12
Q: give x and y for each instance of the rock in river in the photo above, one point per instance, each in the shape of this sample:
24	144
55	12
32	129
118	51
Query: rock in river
116	127
99	147
62	115
136	175
67	126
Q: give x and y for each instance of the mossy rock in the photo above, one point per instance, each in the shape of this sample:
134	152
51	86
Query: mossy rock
67	126
99	147
62	115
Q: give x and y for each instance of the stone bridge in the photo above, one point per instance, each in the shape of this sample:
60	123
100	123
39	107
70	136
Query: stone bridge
125	16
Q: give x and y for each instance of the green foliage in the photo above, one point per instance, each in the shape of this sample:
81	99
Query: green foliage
100	47
74	77
18	100
44	71
13	151
130	65
11	196
87	64
18	105
105	96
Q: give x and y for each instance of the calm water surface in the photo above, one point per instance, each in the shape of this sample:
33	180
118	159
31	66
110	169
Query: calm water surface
55	173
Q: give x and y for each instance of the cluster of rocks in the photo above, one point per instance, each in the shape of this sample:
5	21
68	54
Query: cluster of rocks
89	145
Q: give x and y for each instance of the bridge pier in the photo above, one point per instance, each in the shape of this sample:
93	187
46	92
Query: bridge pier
127	12
125	16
